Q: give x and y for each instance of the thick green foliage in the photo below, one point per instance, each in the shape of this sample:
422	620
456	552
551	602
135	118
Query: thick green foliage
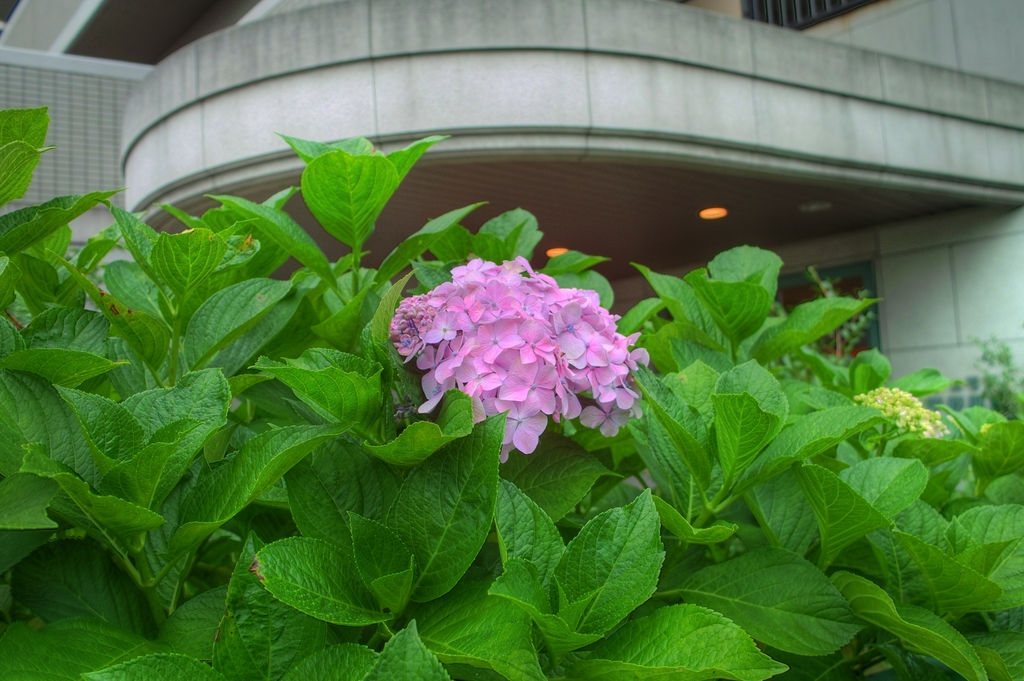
210	473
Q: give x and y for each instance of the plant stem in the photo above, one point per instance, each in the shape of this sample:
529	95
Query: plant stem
172	364
357	256
152	597
715	506
379	636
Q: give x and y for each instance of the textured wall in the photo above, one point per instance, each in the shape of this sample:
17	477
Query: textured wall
976	36
86	113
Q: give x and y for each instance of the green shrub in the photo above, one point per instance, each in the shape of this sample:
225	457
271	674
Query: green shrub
209	473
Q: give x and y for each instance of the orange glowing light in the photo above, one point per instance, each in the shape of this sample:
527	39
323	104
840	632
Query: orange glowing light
555	252
713	213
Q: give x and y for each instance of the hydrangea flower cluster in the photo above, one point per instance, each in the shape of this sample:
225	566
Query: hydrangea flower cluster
518	343
905	410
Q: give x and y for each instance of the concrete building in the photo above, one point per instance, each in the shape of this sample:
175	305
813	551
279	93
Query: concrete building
884	133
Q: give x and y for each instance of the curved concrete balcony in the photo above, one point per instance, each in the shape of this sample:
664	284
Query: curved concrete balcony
594	114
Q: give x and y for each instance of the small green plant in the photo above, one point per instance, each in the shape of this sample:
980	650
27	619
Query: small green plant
210	473
1002	381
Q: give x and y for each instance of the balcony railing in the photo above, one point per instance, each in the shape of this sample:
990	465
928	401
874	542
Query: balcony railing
798	14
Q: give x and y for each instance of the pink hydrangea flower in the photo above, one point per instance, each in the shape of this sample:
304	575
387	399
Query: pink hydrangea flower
516	342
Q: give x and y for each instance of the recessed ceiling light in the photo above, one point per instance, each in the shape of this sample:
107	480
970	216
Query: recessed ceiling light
814	206
713	213
555	252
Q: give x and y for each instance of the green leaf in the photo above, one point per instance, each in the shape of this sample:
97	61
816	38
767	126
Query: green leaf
806	323
342	328
9	276
868	370
690	450
843	515
469	631
22	228
680	527
164	666
139	238
182	261
784	513
747	263
63	651
1002	450
259	636
922	383
231	487
590	281
417	242
952	587
341	388
139	478
32	411
739	308
810	435
307	150
68	328
25	125
444	510
315	577
695	384
683	642
383	562
127	282
405	657
684	305
889	485
17	161
556	476
421	439
521	586
192	627
201	395
779	598
571	262
336	478
921	629
76	578
341	662
381	325
932	451
525	531
23	502
121	517
277	227
228	314
404	159
518	229
825	668
983	525
666	466
617	554
637	315
346	193
59	366
742	429
1008	646
145	334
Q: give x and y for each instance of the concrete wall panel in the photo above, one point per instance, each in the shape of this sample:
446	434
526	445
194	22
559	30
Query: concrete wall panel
918	307
659	97
508	89
989	277
814	123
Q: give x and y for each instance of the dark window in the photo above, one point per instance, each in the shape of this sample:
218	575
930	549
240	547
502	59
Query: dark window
798	13
845	280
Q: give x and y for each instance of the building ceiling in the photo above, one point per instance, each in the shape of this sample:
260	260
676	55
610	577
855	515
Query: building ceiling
146	31
631	213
